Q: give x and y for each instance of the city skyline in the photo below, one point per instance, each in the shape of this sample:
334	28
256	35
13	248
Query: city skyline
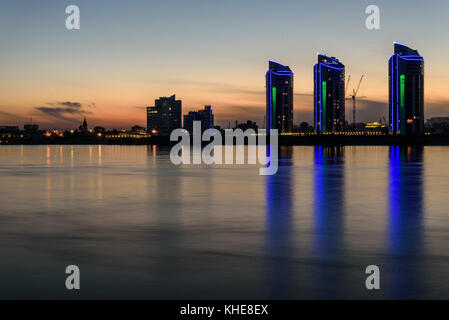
123	57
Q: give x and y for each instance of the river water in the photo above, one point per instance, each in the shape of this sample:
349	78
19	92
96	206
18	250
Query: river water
138	226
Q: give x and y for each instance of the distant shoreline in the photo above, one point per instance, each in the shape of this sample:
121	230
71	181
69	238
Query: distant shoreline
307	140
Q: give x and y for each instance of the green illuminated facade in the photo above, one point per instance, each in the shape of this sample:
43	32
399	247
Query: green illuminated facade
273	97
324	90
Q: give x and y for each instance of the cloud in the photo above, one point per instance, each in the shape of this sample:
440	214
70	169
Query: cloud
226	113
371	110
436	108
8	118
65	110
211	86
367	110
69	104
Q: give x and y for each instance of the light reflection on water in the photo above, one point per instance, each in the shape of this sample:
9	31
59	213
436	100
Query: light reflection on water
140	227
406	219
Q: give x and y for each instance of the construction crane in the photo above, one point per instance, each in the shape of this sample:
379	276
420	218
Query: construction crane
353	98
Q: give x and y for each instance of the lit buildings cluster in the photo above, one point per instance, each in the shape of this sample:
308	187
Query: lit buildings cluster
406	99
406	94
165	116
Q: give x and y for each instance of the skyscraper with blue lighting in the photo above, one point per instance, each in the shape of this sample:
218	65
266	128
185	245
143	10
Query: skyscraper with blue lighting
406	91
279	86
329	95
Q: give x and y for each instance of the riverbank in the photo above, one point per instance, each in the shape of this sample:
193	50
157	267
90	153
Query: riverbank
337	140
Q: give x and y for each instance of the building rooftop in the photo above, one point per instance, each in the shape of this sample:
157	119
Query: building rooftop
403	50
329	61
277	67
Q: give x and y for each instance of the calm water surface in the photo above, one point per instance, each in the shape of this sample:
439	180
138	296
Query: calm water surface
140	227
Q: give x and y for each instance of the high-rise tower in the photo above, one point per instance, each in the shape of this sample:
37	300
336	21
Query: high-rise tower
279	86
406	91
205	116
329	95
165	116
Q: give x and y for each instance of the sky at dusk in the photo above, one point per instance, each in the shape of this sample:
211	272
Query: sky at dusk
207	52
